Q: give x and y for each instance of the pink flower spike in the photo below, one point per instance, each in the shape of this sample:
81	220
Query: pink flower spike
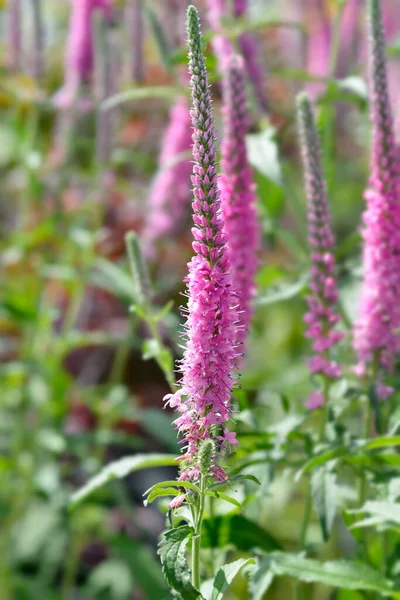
80	48
375	337
211	325
322	315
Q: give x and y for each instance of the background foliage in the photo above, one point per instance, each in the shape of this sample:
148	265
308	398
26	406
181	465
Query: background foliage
81	374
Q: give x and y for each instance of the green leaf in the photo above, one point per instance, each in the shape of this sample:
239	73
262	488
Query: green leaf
262	151
160	492
388	511
260	579
146	570
112	278
323	458
284	291
176	570
221	496
173	483
381	442
345	574
158	424
159	36
323	489
355	85
232	480
226	575
113	578
237	531
120	469
164	92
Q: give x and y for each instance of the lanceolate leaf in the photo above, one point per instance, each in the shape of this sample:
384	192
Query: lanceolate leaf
120	469
323	489
344	574
225	576
232	481
176	570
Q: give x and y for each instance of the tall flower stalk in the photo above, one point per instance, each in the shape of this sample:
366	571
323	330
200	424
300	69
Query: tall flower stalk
238	193
204	399
376	340
15	34
322	316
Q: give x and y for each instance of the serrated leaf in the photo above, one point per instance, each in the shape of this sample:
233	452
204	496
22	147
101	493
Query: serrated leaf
323	490
120	469
345	574
226	575
176	570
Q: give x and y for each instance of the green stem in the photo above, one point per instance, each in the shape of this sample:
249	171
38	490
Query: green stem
122	355
197	535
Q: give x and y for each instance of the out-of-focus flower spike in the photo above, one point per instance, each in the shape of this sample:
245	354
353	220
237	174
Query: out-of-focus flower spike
169	197
322	316
38	40
204	399
135	35
375	338
222	46
106	69
15	35
79	57
238	197
249	50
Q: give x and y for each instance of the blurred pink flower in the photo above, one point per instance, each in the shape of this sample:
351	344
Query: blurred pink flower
375	339
238	197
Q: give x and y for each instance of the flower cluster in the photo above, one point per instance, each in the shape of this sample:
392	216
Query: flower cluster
237	193
322	316
375	339
204	399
